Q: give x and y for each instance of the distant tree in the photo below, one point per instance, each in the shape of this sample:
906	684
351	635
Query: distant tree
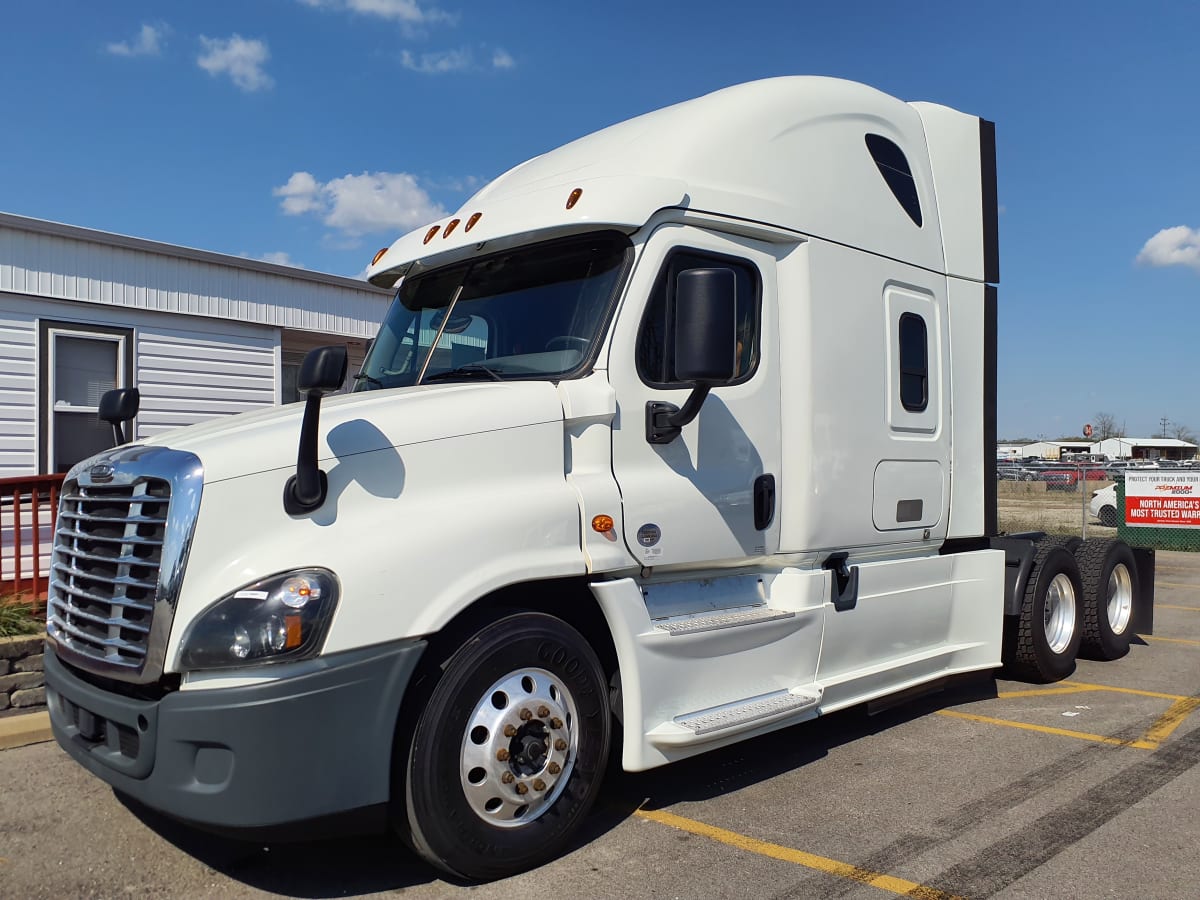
1104	426
1182	433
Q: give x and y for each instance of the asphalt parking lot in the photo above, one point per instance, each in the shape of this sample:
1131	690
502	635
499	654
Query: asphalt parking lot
1087	788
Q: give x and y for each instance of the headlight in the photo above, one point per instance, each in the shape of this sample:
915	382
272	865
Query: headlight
279	619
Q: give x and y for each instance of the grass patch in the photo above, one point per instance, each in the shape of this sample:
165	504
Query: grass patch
19	617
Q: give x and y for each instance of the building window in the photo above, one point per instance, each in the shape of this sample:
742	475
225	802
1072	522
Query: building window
78	364
914	362
656	340
893	166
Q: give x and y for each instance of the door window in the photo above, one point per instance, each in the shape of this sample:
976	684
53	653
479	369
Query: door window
656	339
78	366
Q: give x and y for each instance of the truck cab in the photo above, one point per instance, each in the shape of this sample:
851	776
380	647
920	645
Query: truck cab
686	426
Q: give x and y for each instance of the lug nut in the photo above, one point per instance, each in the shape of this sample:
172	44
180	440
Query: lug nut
502	754
560	744
543	711
554	768
508	778
556	723
526	715
538	784
510	730
522	788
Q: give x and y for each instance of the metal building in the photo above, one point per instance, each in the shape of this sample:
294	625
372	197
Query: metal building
200	334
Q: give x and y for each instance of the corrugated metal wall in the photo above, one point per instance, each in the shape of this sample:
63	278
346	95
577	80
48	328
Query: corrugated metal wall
188	369
103	272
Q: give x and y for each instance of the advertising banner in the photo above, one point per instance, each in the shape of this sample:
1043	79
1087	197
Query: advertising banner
1160	498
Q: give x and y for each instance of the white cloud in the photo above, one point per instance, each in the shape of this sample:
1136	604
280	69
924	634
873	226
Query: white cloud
438	63
279	257
461	60
355	205
1178	246
407	12
242	60
149	42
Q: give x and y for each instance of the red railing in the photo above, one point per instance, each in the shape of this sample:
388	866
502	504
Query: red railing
28	514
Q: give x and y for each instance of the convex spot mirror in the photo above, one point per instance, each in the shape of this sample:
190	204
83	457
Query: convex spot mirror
706	326
323	371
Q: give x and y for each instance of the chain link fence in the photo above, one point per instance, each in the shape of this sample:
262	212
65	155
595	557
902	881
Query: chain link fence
1156	507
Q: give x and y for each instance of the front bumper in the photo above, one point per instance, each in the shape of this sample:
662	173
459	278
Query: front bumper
253	757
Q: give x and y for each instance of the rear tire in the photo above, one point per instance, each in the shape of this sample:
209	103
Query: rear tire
507	756
1110	592
1048	630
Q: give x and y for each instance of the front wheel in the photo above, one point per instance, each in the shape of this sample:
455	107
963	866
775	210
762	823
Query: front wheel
1049	627
507	756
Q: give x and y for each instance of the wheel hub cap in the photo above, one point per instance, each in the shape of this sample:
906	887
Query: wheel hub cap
1120	599
1060	613
518	748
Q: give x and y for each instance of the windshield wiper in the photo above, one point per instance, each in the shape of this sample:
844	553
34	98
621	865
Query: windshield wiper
470	370
370	379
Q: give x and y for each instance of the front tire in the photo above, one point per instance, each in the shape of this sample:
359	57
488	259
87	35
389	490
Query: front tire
1110	592
507	756
1049	627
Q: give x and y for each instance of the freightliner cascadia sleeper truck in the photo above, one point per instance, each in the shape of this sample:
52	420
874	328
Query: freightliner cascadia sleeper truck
682	432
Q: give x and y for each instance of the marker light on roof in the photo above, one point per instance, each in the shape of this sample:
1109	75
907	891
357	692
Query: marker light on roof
475	217
574	198
379	255
430	233
450	226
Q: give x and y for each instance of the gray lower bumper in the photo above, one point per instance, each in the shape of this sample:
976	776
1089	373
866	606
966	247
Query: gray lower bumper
301	748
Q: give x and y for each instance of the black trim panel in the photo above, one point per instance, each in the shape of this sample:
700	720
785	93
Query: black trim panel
991	208
991	522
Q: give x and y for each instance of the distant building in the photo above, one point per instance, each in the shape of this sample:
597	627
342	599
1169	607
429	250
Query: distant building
1146	448
200	335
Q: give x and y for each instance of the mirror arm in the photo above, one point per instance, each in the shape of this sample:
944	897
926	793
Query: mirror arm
306	490
665	421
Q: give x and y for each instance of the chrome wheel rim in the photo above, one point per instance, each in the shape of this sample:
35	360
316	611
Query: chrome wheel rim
1060	613
1120	598
518	748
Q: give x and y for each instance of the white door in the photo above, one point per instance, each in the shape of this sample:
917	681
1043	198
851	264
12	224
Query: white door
693	500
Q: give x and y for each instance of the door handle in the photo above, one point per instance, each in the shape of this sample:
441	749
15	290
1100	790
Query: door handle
764	502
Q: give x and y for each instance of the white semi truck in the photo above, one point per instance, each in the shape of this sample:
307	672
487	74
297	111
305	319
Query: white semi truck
682	433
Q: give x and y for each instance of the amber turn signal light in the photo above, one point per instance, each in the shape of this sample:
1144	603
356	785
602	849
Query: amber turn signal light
602	524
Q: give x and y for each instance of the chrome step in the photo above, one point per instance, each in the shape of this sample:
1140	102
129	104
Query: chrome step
700	623
736	715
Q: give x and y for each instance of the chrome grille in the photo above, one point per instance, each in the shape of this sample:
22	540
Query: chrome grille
108	550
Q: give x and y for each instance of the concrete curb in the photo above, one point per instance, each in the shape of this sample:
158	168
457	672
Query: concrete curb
29	728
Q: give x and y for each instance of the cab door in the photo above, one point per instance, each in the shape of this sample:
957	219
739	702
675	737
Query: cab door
710	494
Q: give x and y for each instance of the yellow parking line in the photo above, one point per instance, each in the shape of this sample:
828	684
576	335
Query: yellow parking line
1171	719
1121	690
1174	606
1151	637
799	857
1044	692
1047	729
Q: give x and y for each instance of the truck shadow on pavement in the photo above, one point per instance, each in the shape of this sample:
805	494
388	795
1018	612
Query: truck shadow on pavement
372	863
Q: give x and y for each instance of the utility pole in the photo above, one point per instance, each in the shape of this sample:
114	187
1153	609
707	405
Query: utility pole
1162	426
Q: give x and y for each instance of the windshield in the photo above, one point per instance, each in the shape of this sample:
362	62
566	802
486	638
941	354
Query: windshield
535	312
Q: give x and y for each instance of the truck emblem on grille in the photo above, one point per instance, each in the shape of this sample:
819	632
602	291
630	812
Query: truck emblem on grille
102	472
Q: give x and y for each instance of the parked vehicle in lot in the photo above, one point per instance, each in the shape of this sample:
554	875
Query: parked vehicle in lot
656	441
1010	472
1064	478
1104	505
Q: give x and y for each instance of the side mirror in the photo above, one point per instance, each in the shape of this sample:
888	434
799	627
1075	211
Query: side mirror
118	407
321	373
706	326
706	351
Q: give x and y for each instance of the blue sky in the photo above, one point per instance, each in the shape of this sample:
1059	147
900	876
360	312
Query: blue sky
315	131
